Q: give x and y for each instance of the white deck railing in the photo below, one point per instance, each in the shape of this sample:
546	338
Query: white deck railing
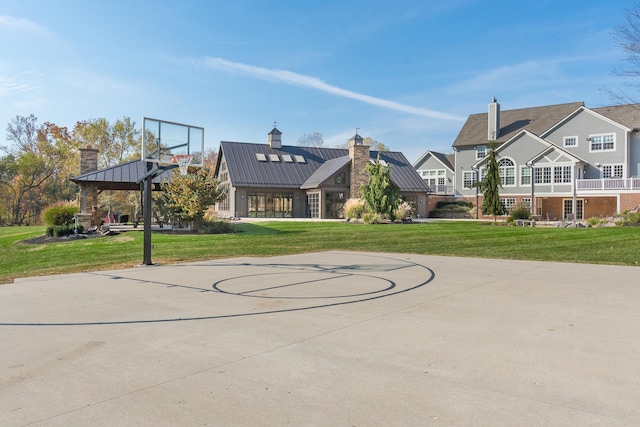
612	184
442	189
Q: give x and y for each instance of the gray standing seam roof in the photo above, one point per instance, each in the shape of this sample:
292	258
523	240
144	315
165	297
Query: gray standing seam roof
120	177
246	171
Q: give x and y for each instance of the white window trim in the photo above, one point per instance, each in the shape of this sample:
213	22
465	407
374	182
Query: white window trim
484	147
564	141
473	178
503	168
525	167
591	150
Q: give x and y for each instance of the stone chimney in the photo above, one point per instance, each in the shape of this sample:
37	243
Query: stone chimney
494	120
89	215
275	138
359	153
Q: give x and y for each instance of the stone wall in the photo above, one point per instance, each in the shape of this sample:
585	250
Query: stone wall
359	154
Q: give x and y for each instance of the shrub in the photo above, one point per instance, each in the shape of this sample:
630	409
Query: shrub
519	211
454	204
60	214
217	227
62	230
371	218
403	210
353	208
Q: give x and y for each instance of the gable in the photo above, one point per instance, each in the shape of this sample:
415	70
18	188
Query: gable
520	148
535	120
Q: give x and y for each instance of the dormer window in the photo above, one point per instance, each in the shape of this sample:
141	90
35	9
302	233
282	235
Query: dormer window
481	152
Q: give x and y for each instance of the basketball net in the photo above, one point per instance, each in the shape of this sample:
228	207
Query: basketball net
183	161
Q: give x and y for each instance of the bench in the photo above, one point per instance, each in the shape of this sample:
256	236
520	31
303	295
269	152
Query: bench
527	222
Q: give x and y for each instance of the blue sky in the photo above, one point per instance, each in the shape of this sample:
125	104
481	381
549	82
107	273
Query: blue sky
406	73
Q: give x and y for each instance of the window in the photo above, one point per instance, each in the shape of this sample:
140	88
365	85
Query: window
261	157
481	151
287	158
435	179
270	205
274	157
612	171
508	202
299	158
570	141
604	142
525	175
543	175
340	178
561	174
507	172
526	202
468	179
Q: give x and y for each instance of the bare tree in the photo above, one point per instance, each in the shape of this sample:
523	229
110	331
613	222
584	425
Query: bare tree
311	140
628	37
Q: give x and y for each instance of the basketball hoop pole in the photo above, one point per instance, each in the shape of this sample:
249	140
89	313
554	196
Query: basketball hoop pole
146	211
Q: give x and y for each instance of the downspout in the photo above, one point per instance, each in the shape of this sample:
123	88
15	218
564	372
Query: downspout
574	201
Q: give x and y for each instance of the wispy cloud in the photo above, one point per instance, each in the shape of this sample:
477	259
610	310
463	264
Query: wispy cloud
20	24
296	79
10	85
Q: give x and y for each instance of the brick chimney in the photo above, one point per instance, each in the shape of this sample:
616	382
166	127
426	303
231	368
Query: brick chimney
359	153
275	138
89	215
494	120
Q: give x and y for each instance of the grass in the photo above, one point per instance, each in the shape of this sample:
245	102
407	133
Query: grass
614	245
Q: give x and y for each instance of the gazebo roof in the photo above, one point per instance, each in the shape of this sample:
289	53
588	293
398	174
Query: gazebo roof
125	176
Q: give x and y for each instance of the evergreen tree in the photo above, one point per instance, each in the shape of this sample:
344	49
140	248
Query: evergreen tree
491	184
381	195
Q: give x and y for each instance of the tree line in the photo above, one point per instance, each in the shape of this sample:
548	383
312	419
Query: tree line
37	164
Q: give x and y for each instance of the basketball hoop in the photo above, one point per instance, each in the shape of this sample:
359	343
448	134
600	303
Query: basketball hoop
183	161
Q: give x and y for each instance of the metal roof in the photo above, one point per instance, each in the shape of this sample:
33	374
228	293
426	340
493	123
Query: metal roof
121	177
325	171
246	171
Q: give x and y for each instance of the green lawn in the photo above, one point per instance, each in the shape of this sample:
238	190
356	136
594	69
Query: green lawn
615	245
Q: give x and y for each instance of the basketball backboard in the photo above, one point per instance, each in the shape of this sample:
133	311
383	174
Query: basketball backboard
166	143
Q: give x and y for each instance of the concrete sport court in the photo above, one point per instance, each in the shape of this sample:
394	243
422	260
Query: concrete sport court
331	338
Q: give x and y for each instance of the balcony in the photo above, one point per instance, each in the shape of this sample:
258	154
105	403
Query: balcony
446	190
608	184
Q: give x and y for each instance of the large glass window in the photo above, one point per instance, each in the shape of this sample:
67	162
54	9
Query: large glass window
507	172
270	205
334	204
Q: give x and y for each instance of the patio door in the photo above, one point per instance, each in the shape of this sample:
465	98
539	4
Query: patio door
568	209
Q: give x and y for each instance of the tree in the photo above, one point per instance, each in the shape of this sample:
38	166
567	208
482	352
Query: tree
116	143
187	197
380	194
628	37
36	160
311	140
490	185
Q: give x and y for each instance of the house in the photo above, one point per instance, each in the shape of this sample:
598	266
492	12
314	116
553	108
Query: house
437	170
275	180
564	161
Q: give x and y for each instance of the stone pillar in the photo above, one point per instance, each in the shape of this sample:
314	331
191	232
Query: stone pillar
359	153
89	193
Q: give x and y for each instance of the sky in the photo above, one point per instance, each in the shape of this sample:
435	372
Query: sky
405	73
